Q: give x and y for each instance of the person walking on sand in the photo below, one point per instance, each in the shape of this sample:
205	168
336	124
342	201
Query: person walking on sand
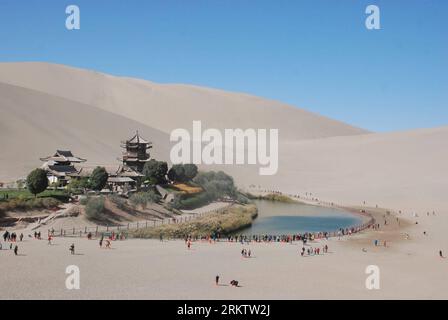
189	244
21	237
101	242
441	254
16	250
217	280
72	248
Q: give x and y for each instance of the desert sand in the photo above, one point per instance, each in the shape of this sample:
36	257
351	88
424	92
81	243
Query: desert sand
150	269
45	106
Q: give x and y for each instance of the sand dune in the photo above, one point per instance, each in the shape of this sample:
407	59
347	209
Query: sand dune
169	106
400	170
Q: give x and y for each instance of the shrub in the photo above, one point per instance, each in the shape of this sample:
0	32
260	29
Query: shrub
83	200
48	202
190	171
195	201
218	183
176	203
118	201
17	204
215	185
242	199
277	197
143	198
95	208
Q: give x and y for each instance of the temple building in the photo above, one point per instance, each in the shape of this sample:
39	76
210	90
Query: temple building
123	177
61	166
136	152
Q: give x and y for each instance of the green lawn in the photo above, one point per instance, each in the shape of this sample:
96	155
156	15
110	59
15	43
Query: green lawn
171	189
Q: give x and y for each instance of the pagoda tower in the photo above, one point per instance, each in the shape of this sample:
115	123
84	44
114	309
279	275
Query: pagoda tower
136	152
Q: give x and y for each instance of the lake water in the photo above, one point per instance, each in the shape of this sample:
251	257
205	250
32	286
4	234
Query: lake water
289	218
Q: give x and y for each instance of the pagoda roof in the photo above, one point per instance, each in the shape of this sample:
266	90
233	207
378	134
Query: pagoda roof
137	139
86	171
135	159
130	173
60	170
120	180
63	156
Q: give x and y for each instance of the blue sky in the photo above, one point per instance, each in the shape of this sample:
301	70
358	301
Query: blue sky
313	54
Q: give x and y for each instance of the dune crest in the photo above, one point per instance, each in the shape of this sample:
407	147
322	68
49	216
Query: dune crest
169	106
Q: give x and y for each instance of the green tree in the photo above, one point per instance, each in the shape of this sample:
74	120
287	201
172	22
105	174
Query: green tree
190	171
77	184
98	179
37	181
155	171
84	183
177	173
